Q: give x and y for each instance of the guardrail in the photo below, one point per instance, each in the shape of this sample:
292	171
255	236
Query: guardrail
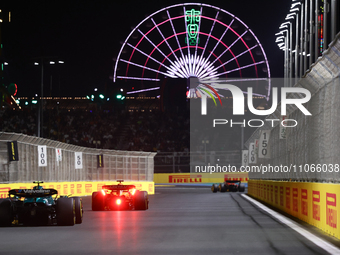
60	162
185	162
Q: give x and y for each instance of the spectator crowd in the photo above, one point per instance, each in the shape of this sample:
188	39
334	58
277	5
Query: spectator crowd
135	131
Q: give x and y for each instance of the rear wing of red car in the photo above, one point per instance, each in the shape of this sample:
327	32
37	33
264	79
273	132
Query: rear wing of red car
232	181
118	187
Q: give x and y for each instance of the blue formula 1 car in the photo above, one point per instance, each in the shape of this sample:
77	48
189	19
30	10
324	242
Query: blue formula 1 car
37	207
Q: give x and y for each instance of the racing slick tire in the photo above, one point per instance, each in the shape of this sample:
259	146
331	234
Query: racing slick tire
241	188
214	188
98	202
141	200
223	187
6	216
79	209
66	213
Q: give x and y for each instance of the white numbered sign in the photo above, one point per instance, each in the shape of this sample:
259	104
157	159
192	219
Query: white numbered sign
263	146
245	158
252	155
58	154
78	156
42	155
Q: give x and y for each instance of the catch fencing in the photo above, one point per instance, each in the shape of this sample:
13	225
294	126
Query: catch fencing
113	165
185	162
311	149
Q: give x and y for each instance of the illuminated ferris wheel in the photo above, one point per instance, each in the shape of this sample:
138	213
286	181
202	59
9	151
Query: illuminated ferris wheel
194	40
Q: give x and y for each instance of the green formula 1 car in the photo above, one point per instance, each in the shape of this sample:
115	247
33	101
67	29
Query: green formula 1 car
38	207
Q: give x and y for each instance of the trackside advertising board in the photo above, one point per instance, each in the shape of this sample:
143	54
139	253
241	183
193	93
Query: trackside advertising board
197	178
315	203
74	188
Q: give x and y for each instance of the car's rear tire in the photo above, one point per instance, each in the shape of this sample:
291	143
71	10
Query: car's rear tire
223	187
141	200
214	188
79	209
241	188
6	216
66	211
98	202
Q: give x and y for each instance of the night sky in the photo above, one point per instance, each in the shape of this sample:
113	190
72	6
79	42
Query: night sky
87	35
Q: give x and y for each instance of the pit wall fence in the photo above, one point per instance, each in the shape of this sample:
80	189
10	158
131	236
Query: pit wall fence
198	178
24	159
314	203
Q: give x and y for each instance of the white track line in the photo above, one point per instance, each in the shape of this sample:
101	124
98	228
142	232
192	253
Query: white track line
328	247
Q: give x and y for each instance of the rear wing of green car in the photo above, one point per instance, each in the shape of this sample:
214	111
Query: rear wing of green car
29	193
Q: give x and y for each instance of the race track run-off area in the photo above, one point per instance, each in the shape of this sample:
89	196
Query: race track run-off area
179	221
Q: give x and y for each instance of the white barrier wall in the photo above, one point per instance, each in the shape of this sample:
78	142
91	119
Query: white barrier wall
70	163
314	144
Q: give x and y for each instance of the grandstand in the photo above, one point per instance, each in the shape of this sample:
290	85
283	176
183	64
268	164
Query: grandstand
139	124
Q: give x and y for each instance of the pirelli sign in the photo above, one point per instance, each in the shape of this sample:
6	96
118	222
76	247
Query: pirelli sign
314	203
185	178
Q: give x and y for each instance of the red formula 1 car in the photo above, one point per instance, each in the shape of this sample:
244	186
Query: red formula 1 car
120	197
232	186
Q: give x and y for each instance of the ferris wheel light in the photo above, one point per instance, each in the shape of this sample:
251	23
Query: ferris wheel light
185	59
137	78
142	90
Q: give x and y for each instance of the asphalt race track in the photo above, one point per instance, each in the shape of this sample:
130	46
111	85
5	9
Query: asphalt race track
179	221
